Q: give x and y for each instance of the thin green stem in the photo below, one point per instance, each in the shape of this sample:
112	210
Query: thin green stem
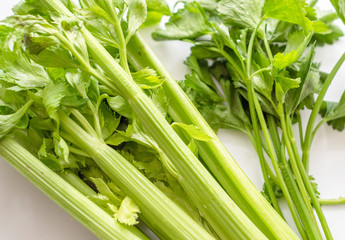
290	181
77	151
96	123
337	201
120	35
260	71
232	62
300	213
302	178
300	127
250	47
309	132
84	122
258	146
294	156
267	46
309	188
77	183
285	189
318	127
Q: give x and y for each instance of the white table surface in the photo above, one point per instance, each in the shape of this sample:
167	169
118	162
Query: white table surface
26	213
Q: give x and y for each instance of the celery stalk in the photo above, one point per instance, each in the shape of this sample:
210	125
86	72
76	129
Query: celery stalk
164	217
213	152
215	205
70	199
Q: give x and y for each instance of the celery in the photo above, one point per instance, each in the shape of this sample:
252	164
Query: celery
69	198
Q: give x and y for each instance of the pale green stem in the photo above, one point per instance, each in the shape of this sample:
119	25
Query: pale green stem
153	203
338	201
69	198
310	127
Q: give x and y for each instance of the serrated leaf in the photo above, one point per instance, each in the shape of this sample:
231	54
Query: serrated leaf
156	9
8	122
283	85
292	11
46	155
52	96
61	147
147	78
128	212
187	23
108	121
20	71
194	131
243	13
121	106
296	45
334	113
310	83
137	12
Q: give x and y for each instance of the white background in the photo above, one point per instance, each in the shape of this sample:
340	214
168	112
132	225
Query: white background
26	213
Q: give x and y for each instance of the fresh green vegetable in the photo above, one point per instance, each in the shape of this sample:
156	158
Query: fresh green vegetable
68	197
80	98
254	52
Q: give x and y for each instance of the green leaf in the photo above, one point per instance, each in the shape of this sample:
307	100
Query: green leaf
296	45
193	81
194	131
156	9
61	148
103	188
52	96
200	67
339	6
193	147
46	155
79	81
283	85
128	212
121	106
234	101
243	13
147	78
8	122
137	12
293	11
108	121
187	23
310	83
19	70
334	113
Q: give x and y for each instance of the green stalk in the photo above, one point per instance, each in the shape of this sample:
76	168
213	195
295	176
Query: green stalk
212	201
289	195
163	216
289	180
122	41
298	173
307	183
310	127
337	201
309	186
213	152
258	146
69	198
